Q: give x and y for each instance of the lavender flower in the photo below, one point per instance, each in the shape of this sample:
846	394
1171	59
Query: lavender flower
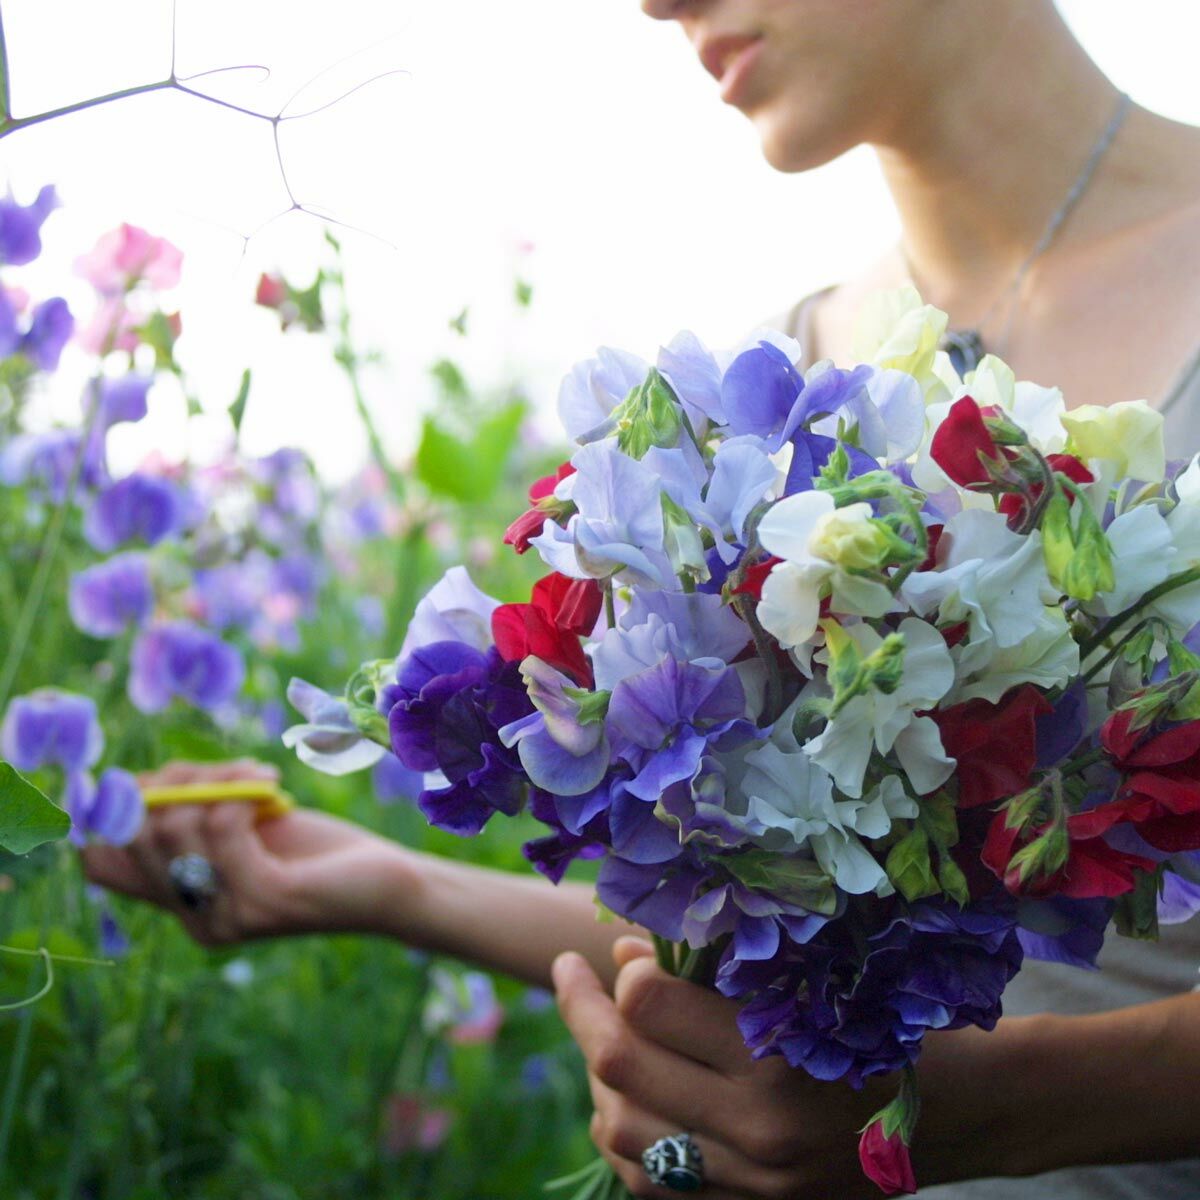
46	461
392	780
20	227
106	599
122	399
180	659
50	728
329	741
110	808
50	328
143	508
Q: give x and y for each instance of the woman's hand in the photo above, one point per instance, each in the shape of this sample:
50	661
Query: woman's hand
300	872
665	1056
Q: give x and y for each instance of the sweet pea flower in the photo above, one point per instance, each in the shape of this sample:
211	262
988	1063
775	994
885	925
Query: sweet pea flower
885	1160
51	728
329	741
588	395
21	225
453	610
820	544
104	600
463	1007
1128	433
50	327
128	255
46	461
110	808
897	331
179	659
892	721
122	399
145	508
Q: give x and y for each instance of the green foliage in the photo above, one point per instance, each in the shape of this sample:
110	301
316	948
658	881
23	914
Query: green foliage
27	817
469	468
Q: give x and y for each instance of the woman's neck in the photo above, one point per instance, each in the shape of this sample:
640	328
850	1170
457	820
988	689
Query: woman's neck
994	154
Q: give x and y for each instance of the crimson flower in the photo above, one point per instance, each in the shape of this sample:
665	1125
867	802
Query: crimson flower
963	447
541	495
1093	867
995	745
561	610
885	1160
755	576
1013	504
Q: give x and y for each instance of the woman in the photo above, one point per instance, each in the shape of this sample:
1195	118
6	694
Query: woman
1061	225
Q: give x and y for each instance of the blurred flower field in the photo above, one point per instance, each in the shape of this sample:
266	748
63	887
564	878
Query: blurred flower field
159	613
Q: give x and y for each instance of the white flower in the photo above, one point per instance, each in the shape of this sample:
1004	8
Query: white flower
1129	433
817	542
876	721
1047	656
1142	557
989	576
329	741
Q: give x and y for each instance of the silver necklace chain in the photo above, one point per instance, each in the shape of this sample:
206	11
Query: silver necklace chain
968	342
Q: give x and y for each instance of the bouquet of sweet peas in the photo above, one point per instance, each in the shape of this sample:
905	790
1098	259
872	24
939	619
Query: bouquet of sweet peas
861	684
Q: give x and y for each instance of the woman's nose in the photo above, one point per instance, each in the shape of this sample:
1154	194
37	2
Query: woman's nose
663	10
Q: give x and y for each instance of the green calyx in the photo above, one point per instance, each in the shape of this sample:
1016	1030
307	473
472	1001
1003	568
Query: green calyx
796	880
649	416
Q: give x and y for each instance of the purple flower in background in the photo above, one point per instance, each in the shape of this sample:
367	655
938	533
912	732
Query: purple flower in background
51	728
145	508
1180	898
20	227
106	599
123	399
392	780
1059	929
840	1010
45	462
180	659
110	808
445	711
290	499
50	328
463	1007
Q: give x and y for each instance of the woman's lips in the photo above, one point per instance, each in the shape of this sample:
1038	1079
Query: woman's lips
730	61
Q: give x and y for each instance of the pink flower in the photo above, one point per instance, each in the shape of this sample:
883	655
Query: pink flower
885	1160
128	255
410	1124
113	327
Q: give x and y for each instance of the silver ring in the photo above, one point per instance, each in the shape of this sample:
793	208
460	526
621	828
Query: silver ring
194	879
675	1163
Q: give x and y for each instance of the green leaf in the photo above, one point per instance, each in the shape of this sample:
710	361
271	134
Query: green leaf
237	410
450	379
523	293
469	469
27	817
1137	911
797	880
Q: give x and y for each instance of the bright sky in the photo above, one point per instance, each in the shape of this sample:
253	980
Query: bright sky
582	128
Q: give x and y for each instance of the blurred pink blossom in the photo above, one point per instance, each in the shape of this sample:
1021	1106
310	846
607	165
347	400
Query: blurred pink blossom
127	255
113	327
409	1123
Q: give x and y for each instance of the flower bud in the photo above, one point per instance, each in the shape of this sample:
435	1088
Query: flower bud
649	416
851	538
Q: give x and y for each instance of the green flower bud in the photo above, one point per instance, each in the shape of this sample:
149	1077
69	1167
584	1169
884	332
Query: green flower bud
649	416
909	866
683	542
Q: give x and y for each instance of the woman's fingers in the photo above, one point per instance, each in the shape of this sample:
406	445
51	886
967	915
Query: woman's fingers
626	949
683	1017
623	1131
678	1089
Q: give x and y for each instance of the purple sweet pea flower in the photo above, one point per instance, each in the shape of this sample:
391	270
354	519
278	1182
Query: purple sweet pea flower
144	508
106	599
760	395
50	728
1059	929
123	399
178	658
393	781
20	227
10	334
110	808
445	712
46	461
1180	898
695	376
846	1009
594	388
50	329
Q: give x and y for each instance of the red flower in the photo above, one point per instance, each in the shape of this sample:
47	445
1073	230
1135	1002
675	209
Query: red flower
885	1160
934	535
550	626
1093	867
962	445
995	745
1012	504
530	523
272	291
755	577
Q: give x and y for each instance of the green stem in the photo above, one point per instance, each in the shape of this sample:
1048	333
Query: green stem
610	607
1101	663
5	104
44	990
10	124
1156	593
664	952
1082	761
47	553
744	607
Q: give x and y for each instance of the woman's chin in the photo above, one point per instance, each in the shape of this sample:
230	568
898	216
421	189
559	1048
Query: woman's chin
790	146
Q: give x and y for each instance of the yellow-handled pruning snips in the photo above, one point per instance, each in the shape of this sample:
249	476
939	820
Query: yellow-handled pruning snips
269	798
